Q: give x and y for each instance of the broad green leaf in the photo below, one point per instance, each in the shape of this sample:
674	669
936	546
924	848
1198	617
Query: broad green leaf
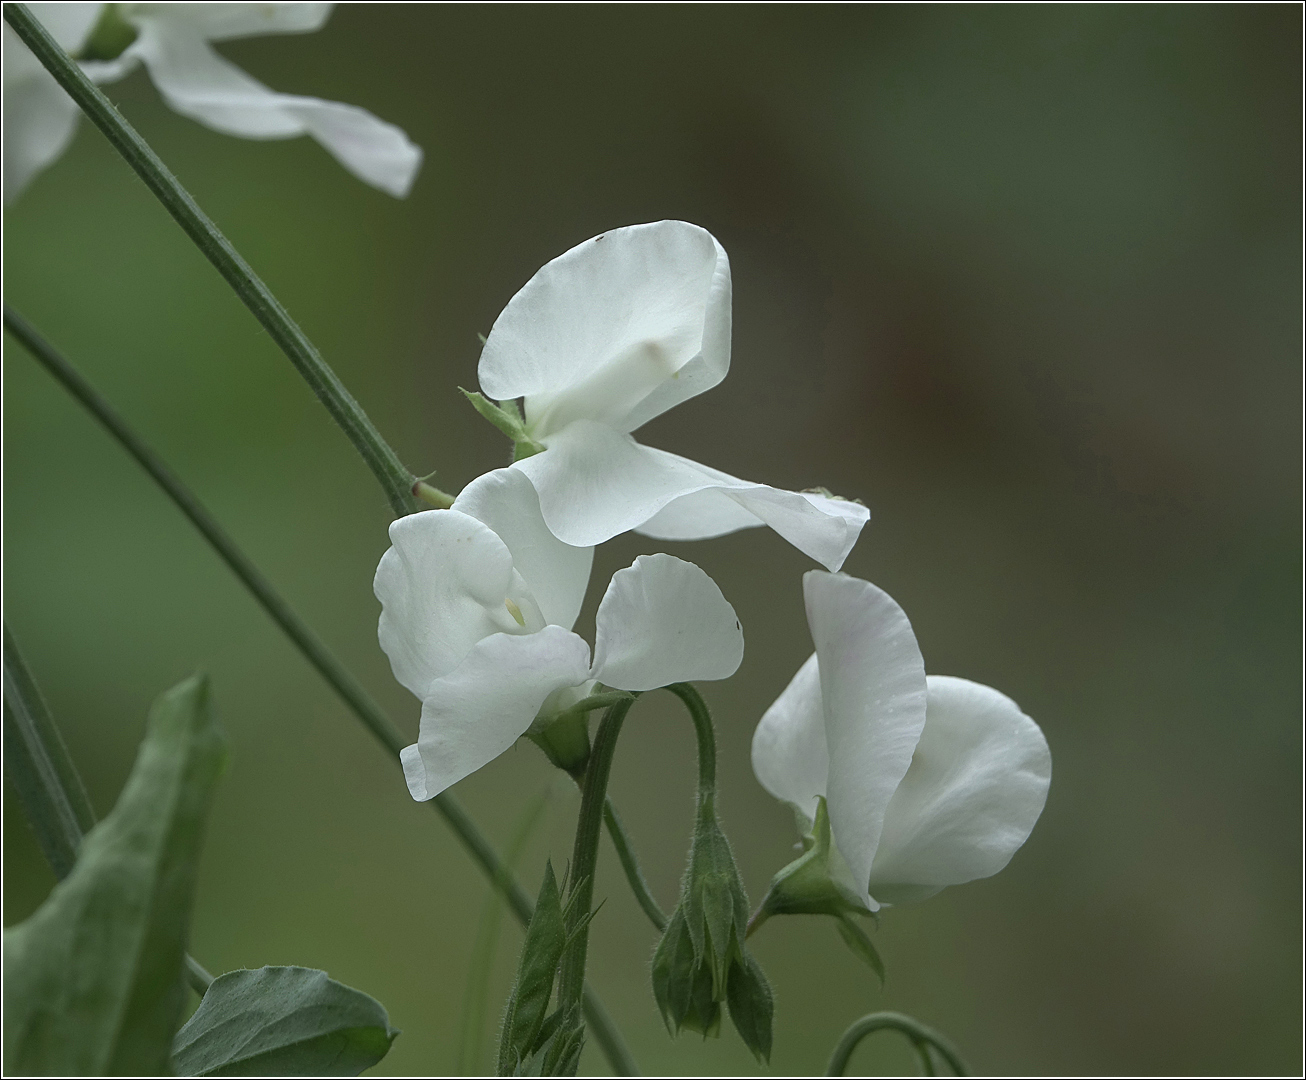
282	1021
93	980
857	940
541	952
48	786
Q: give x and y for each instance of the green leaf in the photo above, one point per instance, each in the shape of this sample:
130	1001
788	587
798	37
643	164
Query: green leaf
546	937
93	980
282	1021
751	1005
42	772
857	940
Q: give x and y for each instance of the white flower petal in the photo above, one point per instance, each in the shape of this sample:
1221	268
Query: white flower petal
477	711
595	482
556	573
443	586
222	22
663	620
976	786
69	24
39	118
197	82
790	758
618	329
874	691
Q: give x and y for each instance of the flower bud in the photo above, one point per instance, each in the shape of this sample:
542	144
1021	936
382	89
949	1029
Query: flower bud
701	961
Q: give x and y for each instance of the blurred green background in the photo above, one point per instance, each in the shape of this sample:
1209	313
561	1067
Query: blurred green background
1025	279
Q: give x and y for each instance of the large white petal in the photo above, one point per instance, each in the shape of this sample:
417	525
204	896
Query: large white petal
618	329
790	758
443	586
197	82
39	118
663	620
479	710
976	786
69	24
595	482
874	691
556	573
222	22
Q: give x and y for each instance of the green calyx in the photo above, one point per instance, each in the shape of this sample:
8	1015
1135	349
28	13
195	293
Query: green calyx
507	417
110	36
561	729
701	961
808	885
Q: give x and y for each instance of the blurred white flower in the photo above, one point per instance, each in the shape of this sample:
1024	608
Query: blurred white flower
601	340
928	781
172	41
478	603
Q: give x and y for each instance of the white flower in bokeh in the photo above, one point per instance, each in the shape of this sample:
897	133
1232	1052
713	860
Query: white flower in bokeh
927	781
602	339
172	41
478	604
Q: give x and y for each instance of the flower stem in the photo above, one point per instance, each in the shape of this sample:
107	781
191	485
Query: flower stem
630	864
918	1033
394	478
338	677
585	853
706	736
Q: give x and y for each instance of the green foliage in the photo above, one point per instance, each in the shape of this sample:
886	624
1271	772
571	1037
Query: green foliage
857	940
282	1021
48	785
682	984
93	980
701	960
751	1004
533	1043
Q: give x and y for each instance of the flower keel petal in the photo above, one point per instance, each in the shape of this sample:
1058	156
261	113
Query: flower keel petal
476	712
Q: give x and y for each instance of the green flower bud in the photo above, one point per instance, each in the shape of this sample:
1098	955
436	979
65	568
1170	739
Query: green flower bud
701	961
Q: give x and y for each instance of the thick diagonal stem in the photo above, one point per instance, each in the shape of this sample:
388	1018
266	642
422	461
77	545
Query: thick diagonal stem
338	677
917	1032
390	472
585	853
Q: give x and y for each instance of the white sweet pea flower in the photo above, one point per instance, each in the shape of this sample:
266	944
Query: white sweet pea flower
173	42
928	781
478	603
39	118
601	340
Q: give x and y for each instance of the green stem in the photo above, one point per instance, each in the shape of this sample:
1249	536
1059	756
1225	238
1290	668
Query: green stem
702	718
394	478
585	853
917	1032
48	784
338	677
706	736
630	864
